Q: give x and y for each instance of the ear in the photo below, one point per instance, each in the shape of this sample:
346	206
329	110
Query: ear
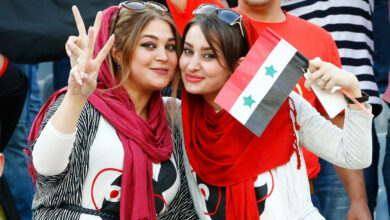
1	164
239	62
116	55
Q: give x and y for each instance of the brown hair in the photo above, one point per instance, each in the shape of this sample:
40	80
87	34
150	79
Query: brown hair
127	31
220	34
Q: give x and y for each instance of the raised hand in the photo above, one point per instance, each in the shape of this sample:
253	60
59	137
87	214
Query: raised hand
83	76
327	75
82	38
85	69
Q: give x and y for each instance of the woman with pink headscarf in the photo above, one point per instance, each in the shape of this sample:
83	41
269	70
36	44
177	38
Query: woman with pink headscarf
102	147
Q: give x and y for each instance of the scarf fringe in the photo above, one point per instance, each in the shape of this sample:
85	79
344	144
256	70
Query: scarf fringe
296	127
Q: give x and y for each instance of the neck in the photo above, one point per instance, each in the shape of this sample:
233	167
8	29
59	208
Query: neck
210	100
267	12
141	101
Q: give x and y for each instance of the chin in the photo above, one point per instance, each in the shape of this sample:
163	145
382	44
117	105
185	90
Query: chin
160	85
193	90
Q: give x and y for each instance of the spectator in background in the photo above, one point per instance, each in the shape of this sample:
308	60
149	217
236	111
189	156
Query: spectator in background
381	35
381	67
13	89
351	27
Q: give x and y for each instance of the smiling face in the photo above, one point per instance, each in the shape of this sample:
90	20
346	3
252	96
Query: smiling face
202	73
255	2
154	60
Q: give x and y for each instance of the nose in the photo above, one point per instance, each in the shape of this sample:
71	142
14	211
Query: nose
162	55
193	64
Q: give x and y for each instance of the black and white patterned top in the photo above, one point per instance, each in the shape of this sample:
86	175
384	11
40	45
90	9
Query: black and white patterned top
73	185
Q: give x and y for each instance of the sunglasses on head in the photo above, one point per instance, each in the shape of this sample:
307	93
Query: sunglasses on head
227	15
138	6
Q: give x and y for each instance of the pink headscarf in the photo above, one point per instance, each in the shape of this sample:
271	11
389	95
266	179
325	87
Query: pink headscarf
143	142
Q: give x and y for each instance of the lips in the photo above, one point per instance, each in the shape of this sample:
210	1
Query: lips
160	71
193	78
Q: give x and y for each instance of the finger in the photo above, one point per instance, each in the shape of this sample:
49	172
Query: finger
84	76
74	49
329	85
313	77
75	74
81	62
321	82
105	50
67	49
315	64
75	40
97	23
70	39
90	44
79	20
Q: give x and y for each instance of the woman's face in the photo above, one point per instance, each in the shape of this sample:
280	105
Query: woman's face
154	60
202	74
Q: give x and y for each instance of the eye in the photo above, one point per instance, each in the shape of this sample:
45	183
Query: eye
148	45
209	56
187	51
170	47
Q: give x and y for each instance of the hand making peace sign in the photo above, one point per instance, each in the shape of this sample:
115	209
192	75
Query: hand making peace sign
83	75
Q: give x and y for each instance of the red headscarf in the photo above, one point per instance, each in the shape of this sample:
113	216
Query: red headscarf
143	142
223	152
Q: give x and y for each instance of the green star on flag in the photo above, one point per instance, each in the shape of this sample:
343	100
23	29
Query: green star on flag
270	71
248	101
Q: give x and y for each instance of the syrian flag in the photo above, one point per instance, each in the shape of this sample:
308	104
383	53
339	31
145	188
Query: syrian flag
262	82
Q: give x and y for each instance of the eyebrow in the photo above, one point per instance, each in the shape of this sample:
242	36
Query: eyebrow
155	37
202	48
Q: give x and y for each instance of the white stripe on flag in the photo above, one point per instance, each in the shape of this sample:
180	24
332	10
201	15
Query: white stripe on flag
259	86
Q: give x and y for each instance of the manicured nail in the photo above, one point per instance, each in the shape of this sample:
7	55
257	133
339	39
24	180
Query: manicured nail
84	75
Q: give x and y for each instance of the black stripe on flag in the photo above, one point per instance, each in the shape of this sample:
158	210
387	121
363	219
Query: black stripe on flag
278	93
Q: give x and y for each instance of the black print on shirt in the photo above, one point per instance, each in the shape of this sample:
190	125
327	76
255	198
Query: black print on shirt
111	200
261	192
215	199
166	178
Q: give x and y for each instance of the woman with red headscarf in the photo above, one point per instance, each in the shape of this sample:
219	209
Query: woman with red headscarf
232	173
102	148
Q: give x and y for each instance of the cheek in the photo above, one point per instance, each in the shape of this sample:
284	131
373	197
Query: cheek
182	63
173	59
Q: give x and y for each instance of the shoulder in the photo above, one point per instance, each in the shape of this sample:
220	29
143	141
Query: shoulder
303	25
298	102
173	104
169	101
295	97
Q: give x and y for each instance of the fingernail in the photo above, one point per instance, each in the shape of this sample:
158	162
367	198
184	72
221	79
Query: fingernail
84	75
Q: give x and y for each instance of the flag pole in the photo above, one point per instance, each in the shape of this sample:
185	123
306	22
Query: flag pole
344	92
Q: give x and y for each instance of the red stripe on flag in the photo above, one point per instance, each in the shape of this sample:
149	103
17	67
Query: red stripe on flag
247	69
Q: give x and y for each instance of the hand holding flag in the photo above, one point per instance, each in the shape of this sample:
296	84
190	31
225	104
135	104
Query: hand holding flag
331	78
267	75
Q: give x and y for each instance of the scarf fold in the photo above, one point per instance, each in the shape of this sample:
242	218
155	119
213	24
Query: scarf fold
223	152
144	142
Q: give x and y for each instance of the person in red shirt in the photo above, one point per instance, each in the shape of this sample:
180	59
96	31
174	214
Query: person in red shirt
312	41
